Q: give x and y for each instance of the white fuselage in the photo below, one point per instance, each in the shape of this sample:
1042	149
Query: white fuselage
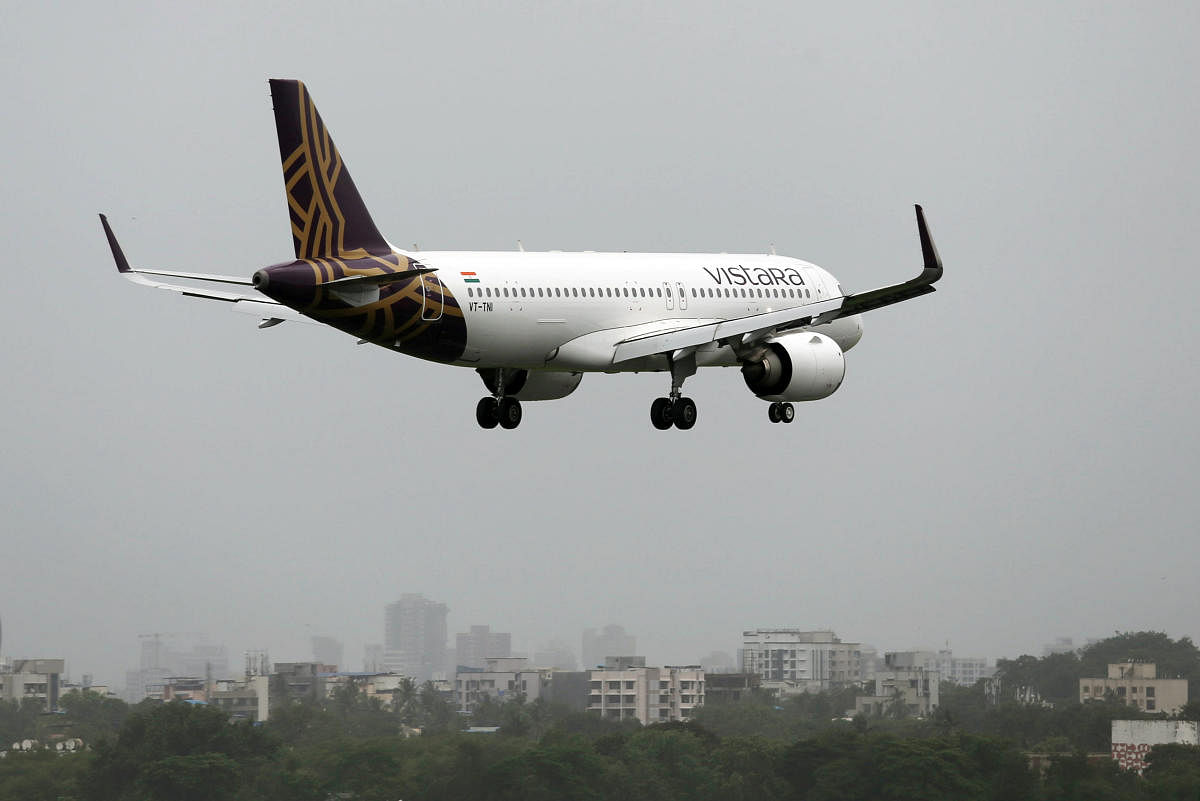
565	311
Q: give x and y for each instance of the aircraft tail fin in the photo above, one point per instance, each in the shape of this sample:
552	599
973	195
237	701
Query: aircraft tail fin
328	216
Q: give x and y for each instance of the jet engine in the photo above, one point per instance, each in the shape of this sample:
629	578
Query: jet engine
532	385
801	366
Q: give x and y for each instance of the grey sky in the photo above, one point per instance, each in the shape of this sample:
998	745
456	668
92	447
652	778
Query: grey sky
1009	459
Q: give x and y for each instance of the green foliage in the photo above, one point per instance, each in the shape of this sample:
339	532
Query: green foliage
196	744
91	716
1173	773
41	775
18	721
1054	677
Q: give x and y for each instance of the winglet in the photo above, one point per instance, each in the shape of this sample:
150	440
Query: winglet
933	262
118	255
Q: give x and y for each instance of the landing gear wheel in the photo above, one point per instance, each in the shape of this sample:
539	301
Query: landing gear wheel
510	412
683	413
485	413
787	412
774	413
660	413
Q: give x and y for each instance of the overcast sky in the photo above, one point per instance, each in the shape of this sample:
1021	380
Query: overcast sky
1010	459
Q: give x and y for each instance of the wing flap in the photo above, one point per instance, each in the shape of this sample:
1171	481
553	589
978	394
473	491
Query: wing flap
753	325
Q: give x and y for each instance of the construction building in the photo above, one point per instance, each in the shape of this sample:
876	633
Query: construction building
414	637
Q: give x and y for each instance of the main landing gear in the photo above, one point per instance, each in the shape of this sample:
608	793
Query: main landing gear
498	409
505	412
676	410
781	412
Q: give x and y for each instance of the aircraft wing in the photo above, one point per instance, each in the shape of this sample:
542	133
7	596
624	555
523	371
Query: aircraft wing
759	326
246	303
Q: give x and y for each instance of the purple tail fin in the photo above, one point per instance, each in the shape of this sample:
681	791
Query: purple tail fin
329	218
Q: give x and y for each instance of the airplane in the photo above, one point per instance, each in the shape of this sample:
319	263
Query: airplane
531	324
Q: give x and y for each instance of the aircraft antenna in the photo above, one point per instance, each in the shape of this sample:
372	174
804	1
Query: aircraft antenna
520	246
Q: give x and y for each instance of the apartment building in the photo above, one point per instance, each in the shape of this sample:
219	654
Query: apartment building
1137	684
625	689
793	660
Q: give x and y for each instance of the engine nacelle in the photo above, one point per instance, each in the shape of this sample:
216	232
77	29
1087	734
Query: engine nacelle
802	366
533	385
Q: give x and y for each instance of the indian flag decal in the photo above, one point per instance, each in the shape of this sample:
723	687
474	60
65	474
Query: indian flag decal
469	278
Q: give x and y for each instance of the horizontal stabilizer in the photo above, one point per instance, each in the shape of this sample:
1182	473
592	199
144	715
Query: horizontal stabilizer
250	304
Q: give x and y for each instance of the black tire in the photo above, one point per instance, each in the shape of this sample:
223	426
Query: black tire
510	412
683	413
787	412
485	413
660	413
774	414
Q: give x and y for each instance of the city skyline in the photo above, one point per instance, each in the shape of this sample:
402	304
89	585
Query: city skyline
199	646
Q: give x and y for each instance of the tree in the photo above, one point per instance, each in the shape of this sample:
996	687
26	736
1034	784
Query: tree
41	774
404	701
91	716
1055	677
17	721
152	744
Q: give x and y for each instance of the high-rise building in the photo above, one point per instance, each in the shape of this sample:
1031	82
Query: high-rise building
414	637
373	661
555	654
475	647
328	651
164	656
610	641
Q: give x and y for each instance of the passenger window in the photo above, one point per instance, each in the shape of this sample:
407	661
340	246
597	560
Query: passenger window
556	292
693	292
642	292
488	291
668	292
522	291
660	293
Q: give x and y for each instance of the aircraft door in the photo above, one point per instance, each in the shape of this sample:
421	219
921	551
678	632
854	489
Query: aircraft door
667	295
682	295
433	300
